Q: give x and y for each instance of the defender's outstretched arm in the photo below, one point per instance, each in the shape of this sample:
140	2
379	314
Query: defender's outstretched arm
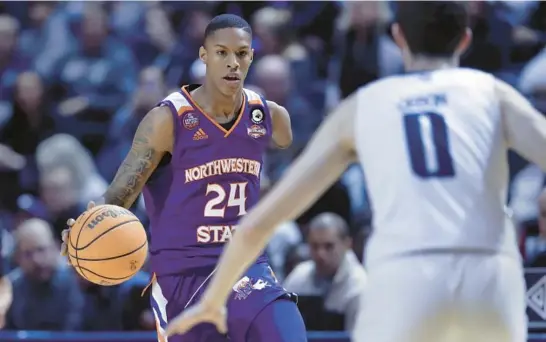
524	126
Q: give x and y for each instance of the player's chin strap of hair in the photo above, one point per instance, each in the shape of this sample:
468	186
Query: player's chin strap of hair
154	277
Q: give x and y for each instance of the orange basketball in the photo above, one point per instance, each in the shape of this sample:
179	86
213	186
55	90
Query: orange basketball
107	245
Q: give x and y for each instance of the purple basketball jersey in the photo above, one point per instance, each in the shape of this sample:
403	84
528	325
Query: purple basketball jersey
195	202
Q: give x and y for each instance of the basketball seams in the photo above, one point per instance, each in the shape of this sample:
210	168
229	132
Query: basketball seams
84	266
98	275
104	233
78	238
85	222
117	256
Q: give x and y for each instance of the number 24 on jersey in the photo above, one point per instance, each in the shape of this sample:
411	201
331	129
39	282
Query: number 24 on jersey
235	196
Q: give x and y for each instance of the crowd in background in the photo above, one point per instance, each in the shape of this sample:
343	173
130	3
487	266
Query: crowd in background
76	78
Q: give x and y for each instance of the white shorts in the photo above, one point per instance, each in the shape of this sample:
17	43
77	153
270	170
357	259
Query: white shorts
438	297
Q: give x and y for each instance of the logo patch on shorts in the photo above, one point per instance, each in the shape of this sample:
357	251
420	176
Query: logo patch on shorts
244	287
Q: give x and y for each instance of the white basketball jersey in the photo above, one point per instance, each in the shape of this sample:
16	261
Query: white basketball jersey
434	156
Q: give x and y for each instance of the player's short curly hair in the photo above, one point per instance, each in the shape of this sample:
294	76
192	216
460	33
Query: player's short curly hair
223	21
432	28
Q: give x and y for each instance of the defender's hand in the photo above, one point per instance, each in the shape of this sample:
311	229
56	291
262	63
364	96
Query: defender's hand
65	233
202	312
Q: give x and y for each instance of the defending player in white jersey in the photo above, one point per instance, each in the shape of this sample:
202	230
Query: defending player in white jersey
433	143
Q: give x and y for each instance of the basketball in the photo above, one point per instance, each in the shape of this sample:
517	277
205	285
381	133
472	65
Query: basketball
107	245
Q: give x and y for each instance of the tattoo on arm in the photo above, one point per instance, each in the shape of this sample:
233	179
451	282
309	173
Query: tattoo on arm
143	158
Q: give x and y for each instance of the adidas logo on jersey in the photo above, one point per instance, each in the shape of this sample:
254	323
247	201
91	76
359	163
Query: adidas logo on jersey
200	135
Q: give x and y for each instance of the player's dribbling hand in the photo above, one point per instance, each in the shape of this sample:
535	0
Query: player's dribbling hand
65	233
202	312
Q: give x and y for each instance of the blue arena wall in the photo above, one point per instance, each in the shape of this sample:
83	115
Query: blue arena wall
36	336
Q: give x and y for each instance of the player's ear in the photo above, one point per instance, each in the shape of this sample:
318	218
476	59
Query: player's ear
203	54
251	55
398	36
465	42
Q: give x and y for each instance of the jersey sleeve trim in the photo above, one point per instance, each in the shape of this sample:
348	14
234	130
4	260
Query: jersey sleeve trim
254	98
178	106
174	114
257	100
268	118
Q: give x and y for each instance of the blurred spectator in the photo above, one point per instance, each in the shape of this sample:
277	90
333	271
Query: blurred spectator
115	308
353	180
11	62
144	27
46	38
59	193
177	62
136	311
68	178
7	248
31	121
295	256
314	23
11	163
29	124
160	33
46	295
29	206
10	160
489	38
525	190
286	237
537	18
95	79
273	34
535	246
331	283
361	232
151	89
335	200
63	150
198	71
102	311
532	81
366	51
273	75
526	40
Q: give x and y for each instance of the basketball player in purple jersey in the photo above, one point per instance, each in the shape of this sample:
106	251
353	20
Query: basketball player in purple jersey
197	157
